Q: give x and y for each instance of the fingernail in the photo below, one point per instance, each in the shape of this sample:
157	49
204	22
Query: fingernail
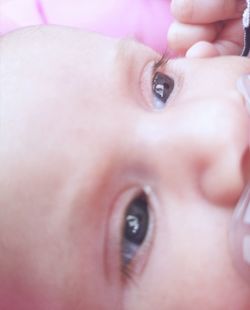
244	88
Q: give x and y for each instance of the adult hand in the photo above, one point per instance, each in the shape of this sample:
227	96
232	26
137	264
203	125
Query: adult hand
206	28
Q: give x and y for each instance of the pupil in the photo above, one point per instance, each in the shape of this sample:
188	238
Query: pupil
137	218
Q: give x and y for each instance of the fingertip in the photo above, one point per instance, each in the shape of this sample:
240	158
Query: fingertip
202	49
173	38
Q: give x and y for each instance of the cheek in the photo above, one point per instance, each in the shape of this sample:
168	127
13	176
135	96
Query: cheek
190	264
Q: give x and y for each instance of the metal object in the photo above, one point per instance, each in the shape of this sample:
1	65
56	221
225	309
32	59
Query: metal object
246	28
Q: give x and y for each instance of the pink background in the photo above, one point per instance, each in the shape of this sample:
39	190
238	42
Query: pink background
144	20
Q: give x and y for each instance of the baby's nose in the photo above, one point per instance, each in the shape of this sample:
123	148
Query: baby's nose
207	141
226	145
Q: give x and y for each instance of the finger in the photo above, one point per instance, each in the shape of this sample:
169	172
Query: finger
202	49
219	48
206	11
225	47
182	36
230	40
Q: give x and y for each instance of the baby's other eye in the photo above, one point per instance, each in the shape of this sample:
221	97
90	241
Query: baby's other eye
162	87
136	223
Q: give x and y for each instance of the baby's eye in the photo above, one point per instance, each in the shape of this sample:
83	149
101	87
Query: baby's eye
136	223
162	87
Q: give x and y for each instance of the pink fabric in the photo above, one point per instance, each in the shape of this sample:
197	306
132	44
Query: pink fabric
145	20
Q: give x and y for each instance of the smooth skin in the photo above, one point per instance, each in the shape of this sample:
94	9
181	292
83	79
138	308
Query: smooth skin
206	28
79	137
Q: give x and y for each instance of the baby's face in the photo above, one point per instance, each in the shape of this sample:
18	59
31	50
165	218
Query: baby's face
108	202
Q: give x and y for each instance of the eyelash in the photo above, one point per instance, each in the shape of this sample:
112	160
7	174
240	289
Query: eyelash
128	273
158	64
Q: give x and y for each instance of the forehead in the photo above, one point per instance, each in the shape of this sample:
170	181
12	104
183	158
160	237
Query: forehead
62	107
